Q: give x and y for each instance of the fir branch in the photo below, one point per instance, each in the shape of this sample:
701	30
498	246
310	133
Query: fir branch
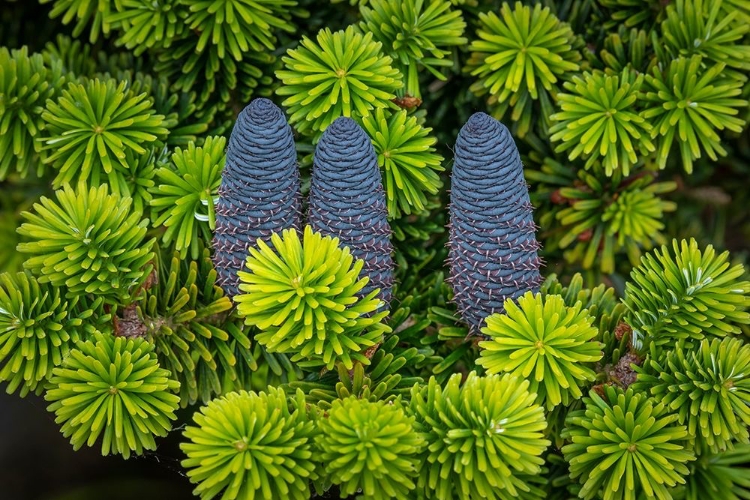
91	128
416	34
89	241
599	120
686	294
302	296
370	448
407	159
709	388
543	341
38	327
343	74
624	445
248	445
518	58
113	387
689	103
26	81
184	200
484	438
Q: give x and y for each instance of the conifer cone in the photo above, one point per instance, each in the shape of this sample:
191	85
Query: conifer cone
492	248
347	201
260	188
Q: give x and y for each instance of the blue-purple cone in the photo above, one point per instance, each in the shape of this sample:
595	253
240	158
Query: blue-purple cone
347	200
260	188
492	249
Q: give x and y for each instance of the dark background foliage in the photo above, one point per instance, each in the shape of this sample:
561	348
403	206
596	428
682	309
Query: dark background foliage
37	462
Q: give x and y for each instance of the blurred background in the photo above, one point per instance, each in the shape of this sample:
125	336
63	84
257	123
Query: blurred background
38	463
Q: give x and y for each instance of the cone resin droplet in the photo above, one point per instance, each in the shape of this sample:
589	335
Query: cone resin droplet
347	200
260	188
492	249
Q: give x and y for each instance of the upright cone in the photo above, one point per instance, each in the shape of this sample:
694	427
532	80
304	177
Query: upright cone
260	189
347	201
492	248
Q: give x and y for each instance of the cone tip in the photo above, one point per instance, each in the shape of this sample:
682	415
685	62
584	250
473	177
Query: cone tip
480	124
262	110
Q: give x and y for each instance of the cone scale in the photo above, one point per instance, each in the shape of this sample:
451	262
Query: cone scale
492	249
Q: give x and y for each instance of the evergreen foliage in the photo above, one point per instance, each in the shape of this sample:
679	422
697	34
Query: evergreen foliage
25	83
344	74
76	57
482	437
416	34
709	388
542	340
139	177
519	57
407	159
632	13
185	314
688	104
144	25
382	381
602	305
303	297
38	327
700	27
370	447
723	475
304	216
113	387
622	445
84	12
10	259
91	128
185	198
595	218
686	294
88	241
237	26
598	120
248	445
